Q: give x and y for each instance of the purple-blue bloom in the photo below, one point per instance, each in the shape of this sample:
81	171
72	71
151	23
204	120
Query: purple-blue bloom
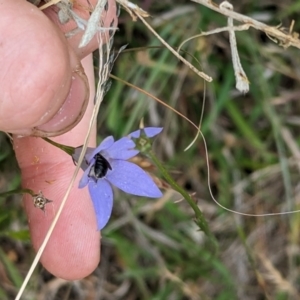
107	165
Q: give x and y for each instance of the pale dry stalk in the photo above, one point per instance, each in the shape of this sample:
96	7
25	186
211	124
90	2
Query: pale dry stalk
285	39
137	12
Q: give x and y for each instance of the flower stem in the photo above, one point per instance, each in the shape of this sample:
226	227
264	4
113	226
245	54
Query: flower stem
200	220
17	191
68	149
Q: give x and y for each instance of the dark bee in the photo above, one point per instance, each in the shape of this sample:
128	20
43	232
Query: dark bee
100	167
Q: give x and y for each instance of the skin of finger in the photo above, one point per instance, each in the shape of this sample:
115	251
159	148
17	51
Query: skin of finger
36	71
73	251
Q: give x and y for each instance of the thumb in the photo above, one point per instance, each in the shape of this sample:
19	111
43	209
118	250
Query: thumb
39	73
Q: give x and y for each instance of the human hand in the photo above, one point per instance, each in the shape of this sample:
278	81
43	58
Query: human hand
44	89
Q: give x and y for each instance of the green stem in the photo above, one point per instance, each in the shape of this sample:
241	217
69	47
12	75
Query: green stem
17	191
200	220
68	149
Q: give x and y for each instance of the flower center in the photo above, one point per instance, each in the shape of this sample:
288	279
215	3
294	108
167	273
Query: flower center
100	167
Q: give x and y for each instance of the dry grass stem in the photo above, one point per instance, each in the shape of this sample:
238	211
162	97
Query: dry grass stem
135	11
242	82
282	38
48	4
92	25
214	31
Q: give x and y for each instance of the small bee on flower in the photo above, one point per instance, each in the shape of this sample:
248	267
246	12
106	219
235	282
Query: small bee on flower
108	165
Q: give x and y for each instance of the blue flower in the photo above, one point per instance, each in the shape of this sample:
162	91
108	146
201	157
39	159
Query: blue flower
107	165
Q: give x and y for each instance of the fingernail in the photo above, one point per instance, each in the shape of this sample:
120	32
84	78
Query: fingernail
72	110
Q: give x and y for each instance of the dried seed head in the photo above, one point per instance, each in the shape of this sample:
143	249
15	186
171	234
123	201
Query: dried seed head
40	201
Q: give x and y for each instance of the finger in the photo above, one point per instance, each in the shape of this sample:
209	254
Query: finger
38	69
73	250
44	90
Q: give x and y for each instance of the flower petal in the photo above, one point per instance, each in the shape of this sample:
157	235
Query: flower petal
122	149
85	177
149	131
106	143
89	151
131	179
102	197
76	155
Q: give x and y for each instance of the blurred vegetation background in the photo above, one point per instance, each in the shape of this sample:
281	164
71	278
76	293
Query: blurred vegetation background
152	249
